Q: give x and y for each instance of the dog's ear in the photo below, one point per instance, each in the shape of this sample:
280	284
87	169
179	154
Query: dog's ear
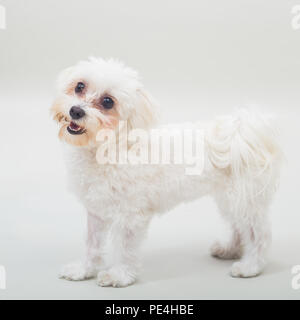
143	114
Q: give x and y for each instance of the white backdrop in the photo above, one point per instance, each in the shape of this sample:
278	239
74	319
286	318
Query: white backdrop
199	59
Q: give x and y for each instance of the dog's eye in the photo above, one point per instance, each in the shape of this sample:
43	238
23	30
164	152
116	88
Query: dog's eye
79	87
107	103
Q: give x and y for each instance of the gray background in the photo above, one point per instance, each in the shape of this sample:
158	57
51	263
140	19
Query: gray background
199	59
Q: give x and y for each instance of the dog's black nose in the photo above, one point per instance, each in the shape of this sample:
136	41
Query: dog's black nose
76	113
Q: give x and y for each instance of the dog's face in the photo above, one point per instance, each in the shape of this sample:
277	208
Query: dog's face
97	94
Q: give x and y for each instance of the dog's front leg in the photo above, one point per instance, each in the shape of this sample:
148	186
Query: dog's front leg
88	268
127	235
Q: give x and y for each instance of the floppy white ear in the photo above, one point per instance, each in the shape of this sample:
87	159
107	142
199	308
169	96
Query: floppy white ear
143	114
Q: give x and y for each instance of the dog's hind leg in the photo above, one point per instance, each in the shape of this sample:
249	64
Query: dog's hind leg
88	268
255	234
230	250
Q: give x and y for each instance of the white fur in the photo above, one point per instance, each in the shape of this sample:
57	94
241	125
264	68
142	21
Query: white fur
241	170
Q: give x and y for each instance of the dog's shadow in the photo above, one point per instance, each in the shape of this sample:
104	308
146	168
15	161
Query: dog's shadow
179	263
174	263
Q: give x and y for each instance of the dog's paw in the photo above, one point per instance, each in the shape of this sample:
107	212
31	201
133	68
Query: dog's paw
116	277
245	269
76	271
222	252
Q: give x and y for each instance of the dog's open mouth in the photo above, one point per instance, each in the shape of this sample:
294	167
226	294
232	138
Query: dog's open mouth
74	128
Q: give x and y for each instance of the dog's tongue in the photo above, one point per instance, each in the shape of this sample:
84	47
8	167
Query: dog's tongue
74	126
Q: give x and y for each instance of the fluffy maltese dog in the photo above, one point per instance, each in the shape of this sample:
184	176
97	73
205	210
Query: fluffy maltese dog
240	162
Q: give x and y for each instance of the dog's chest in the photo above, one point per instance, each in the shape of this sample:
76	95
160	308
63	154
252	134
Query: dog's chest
110	188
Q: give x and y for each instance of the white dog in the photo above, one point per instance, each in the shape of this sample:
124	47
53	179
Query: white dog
240	171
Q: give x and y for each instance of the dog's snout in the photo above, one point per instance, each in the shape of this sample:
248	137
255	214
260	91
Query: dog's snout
76	113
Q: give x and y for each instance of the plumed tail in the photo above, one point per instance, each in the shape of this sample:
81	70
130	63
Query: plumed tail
245	146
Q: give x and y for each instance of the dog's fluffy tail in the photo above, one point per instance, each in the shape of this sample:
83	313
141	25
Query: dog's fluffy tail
245	146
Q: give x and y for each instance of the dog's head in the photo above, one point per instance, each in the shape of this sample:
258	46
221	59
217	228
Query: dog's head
96	94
